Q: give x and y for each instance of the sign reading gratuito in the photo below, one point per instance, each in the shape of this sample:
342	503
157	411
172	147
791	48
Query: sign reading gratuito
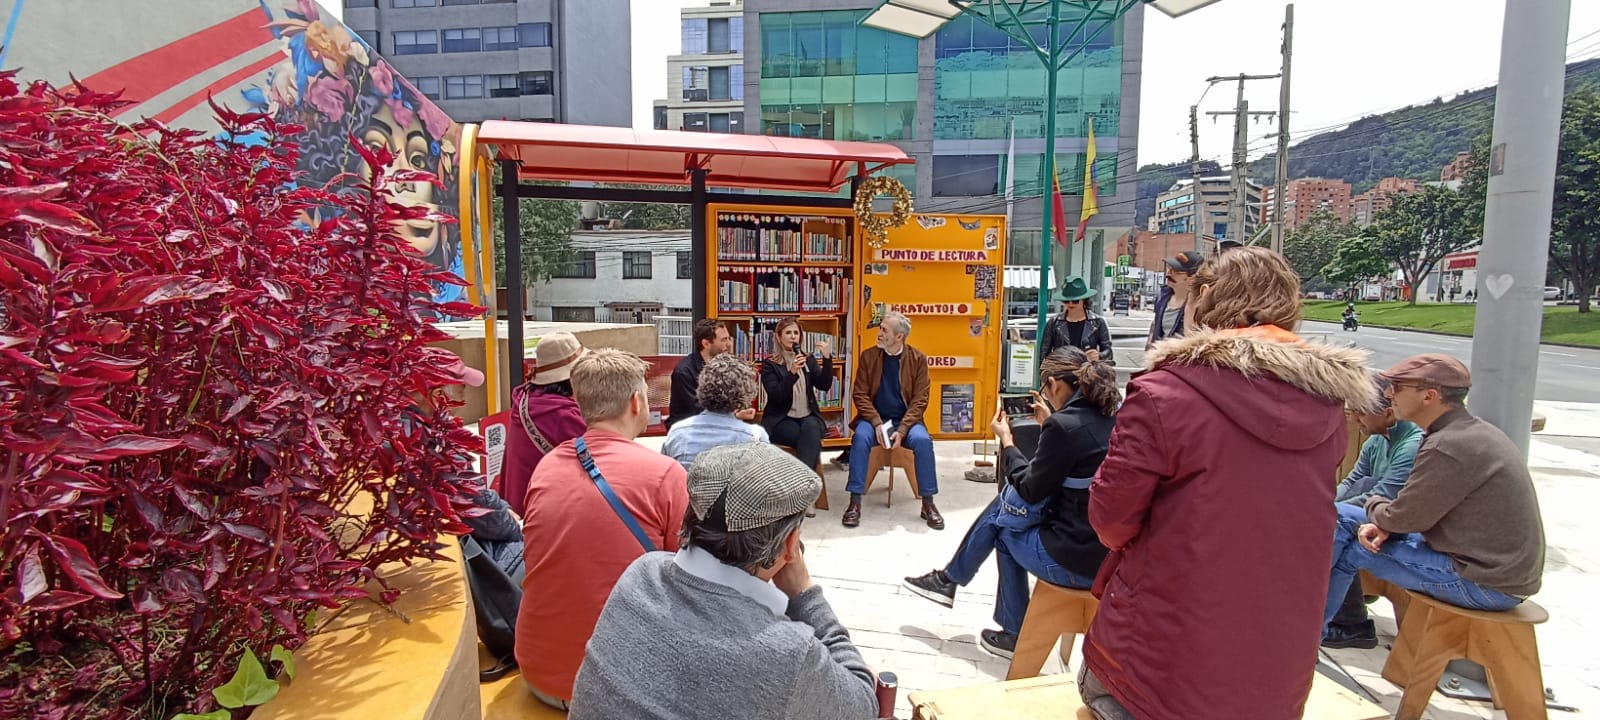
912	255
959	308
950	361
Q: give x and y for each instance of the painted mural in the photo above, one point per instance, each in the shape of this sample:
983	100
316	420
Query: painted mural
337	86
288	58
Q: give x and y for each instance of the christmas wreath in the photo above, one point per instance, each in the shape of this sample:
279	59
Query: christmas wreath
875	226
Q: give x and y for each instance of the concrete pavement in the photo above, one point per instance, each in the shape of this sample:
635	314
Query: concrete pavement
931	647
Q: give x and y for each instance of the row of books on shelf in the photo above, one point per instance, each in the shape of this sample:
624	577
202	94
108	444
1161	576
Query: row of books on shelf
780	238
744	289
756	340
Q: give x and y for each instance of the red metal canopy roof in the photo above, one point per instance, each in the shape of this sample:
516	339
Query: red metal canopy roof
550	151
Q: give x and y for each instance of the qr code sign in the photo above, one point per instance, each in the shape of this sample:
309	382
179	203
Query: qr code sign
494	447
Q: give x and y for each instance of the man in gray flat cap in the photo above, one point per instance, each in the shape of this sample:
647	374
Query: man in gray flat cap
1466	527
730	625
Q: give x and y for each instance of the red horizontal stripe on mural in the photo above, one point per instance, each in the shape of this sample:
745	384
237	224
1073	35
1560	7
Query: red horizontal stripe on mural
230	80
154	72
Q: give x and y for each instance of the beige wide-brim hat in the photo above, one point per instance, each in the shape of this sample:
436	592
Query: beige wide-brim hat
555	355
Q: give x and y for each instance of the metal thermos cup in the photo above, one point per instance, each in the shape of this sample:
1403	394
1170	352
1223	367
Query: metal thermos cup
888	687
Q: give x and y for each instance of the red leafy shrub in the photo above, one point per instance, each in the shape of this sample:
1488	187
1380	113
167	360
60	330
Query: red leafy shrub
204	424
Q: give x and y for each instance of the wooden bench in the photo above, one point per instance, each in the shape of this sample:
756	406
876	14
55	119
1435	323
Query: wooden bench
822	499
1054	612
900	457
1054	697
508	698
1435	632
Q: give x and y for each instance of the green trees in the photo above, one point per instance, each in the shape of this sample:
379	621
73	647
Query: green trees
1419	230
1575	224
1311	247
546	232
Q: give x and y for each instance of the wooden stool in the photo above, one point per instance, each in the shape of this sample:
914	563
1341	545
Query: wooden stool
1436	632
900	457
822	499
1054	612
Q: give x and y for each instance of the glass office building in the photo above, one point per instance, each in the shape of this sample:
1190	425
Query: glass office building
952	101
989	86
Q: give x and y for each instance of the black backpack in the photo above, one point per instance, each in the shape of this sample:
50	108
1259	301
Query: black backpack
496	596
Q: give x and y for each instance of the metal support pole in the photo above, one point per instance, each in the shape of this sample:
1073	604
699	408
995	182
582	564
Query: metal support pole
1194	169
1052	69
1516	228
511	232
697	242
1280	182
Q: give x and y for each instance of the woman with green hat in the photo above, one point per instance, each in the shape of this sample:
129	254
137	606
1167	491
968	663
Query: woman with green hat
1076	326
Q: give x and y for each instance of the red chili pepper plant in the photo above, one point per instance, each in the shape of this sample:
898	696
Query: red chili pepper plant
209	382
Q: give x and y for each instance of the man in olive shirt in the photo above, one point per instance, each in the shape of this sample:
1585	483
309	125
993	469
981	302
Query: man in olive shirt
1466	528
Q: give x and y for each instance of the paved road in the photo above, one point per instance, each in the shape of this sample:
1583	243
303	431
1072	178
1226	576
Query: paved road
1565	374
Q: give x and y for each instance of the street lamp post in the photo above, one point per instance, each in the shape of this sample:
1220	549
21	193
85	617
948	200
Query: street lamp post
921	18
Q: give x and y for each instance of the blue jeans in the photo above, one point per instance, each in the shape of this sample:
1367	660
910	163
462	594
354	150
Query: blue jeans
1020	553
917	441
1405	560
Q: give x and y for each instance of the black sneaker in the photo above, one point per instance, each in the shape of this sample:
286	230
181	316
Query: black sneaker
934	586
998	642
1361	637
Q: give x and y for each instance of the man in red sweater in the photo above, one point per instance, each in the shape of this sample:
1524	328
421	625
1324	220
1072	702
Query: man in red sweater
576	541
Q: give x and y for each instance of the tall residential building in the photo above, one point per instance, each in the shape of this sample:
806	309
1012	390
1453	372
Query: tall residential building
952	101
1304	196
1175	207
705	83
564	61
1364	208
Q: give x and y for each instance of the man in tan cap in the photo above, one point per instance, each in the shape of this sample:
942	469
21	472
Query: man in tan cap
731	625
1466	527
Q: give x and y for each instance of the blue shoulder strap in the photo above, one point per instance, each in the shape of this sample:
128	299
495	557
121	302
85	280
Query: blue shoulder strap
611	497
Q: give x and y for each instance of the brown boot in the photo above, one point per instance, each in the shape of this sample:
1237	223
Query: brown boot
852	514
931	514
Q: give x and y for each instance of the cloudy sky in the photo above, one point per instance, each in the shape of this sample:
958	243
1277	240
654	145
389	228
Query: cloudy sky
1351	58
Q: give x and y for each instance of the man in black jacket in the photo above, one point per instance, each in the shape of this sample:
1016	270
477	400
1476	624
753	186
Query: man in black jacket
711	339
1077	326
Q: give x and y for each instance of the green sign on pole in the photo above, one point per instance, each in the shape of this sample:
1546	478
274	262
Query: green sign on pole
1124	260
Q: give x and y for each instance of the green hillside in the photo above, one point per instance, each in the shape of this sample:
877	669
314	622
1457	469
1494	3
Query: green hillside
1412	142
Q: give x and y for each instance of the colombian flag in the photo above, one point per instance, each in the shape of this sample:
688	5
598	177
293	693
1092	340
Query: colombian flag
1091	201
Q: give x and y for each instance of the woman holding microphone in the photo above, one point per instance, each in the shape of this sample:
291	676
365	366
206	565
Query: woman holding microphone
791	379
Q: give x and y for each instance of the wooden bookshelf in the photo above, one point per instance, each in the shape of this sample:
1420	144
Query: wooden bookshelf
769	263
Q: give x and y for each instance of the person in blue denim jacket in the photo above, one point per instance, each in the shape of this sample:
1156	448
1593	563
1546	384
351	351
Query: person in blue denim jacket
1382	469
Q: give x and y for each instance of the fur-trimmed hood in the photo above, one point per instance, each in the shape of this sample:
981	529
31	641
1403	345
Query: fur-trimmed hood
1229	368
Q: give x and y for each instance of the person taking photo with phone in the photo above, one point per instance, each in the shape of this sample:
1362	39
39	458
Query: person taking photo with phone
1039	523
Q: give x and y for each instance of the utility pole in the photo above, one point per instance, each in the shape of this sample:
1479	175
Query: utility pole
1194	189
1280	184
1516	227
1240	113
1240	195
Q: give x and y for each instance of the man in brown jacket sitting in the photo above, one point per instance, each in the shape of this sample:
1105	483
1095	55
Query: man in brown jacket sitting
1466	528
890	394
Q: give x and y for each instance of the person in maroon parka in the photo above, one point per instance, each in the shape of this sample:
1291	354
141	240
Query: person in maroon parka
1214	498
